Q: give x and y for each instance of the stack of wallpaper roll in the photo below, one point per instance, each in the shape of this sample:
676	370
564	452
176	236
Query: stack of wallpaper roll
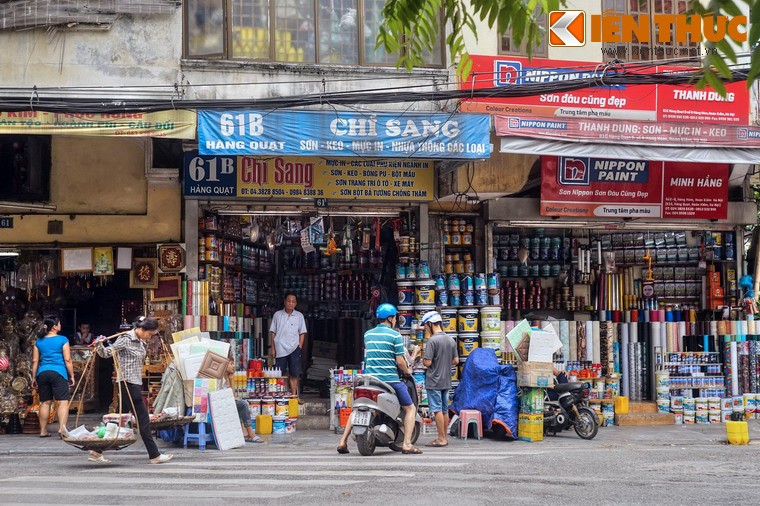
628	341
196	308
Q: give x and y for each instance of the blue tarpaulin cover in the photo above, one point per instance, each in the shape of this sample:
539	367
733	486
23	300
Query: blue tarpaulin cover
490	388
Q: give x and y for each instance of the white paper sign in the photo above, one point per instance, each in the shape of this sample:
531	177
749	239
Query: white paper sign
305	243
542	345
224	417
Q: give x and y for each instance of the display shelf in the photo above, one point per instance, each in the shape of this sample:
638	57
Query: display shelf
223	235
530	261
687	363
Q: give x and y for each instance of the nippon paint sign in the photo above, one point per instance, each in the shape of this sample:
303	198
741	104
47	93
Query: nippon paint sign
601	188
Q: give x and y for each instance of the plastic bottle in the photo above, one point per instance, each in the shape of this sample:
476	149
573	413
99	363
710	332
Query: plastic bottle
101	431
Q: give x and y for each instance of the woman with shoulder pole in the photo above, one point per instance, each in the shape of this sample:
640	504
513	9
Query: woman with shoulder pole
53	373
129	349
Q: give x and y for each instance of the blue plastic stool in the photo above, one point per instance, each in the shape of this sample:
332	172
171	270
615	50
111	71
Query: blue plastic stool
202	436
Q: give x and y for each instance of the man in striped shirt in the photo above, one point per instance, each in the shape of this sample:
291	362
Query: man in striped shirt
383	356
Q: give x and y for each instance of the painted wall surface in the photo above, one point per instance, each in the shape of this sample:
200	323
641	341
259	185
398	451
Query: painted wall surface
102	175
104	179
140	51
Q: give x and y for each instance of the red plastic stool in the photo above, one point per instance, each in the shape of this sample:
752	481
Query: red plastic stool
468	417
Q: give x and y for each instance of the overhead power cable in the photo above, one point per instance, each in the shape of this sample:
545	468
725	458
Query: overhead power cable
609	77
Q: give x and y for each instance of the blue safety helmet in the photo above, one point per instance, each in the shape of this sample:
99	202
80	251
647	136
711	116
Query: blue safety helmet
385	311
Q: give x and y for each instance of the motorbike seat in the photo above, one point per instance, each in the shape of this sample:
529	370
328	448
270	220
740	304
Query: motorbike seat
561	388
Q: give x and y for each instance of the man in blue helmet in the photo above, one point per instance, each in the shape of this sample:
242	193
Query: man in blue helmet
383	357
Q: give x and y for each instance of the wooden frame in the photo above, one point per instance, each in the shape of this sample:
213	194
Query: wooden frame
76	260
105	256
169	288
144	273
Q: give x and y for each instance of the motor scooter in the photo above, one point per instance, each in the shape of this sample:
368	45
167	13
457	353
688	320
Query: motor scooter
377	416
570	411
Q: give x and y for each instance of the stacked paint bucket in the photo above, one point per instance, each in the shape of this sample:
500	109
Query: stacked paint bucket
663	391
467	336
491	329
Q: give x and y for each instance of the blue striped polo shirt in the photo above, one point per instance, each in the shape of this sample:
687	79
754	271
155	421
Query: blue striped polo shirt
381	347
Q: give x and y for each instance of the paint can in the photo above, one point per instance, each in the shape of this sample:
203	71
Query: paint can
662	379
725	416
467	342
278	424
254	406
405	317
689	417
738	405
290	425
714	416
663	394
492	282
442	298
700	404
281	408
678	418
449	323
405	293
454	283
713	403
726	404
491	340
268	407
702	417
424	291
468	320
676	404
688	404
663	405
490	319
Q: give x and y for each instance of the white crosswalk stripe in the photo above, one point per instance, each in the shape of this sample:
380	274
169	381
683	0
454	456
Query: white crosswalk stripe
264	472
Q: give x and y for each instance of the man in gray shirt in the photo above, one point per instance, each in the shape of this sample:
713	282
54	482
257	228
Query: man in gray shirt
440	354
288	331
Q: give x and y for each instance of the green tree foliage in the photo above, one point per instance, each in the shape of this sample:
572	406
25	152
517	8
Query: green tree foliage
414	26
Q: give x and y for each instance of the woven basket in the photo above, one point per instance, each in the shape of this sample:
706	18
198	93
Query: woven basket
100	445
170	423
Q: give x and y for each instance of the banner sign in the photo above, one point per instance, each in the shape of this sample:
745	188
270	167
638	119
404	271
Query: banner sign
630	132
643	102
608	188
307	177
331	133
175	124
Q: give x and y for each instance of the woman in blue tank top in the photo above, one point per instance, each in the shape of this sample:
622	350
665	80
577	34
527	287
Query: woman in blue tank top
53	374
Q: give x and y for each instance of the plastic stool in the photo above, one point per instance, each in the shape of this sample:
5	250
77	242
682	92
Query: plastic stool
202	436
469	417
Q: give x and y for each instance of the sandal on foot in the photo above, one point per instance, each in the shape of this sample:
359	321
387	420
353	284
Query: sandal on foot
437	444
99	460
164	457
254	439
343	450
412	451
45	435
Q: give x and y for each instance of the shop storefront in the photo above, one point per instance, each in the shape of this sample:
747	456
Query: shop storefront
634	247
93	239
344	228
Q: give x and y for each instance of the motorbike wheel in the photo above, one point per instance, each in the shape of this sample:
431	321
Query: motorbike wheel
366	443
587	424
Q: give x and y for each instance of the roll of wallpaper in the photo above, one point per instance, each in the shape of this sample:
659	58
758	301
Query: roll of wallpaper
596	350
590	337
655	333
722	328
727	362
751	326
633	333
734	369
753	362
661	315
669	332
680	334
187	322
573	338
564	337
714	328
625	380
582	329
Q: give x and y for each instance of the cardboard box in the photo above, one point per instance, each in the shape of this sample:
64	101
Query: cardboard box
535	374
530	427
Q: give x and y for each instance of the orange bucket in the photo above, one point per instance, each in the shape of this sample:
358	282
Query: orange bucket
345	413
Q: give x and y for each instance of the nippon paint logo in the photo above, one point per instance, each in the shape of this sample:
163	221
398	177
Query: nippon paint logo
574	171
568	28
